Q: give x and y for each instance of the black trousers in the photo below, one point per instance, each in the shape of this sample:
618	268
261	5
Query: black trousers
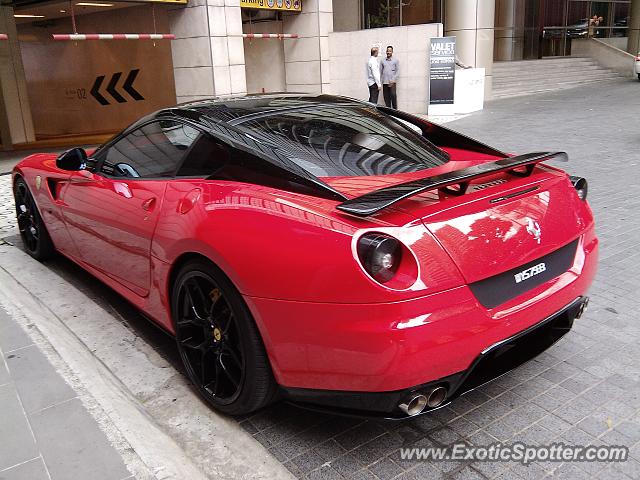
374	93
389	93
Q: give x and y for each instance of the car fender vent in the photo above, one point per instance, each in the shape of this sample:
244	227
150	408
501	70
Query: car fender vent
52	184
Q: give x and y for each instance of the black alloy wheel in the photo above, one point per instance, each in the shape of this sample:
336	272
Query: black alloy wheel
219	344
35	237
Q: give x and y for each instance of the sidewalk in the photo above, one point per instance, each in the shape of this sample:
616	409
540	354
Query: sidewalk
46	432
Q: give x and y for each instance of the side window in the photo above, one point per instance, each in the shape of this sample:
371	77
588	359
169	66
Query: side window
152	151
205	158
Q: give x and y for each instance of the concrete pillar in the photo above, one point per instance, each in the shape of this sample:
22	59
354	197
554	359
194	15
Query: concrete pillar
307	57
347	15
16	125
208	53
509	30
633	45
471	22
264	55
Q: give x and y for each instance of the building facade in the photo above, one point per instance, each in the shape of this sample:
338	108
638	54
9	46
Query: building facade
51	88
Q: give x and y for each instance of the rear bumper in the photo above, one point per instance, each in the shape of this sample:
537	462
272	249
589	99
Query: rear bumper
395	346
490	364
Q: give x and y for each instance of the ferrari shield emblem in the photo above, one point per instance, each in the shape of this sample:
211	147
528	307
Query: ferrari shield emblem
533	229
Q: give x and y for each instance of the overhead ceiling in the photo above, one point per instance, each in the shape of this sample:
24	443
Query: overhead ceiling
49	10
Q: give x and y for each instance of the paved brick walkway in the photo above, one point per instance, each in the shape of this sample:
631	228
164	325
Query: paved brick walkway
585	390
46	432
7	209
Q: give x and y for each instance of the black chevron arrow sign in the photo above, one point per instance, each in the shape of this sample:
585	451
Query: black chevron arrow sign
96	94
111	89
128	85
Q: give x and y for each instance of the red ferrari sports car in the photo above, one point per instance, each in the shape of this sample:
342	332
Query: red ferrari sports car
322	250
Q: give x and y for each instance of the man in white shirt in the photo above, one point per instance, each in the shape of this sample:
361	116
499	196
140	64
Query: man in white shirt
373	76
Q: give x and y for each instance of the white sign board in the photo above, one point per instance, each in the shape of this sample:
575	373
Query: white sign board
469	90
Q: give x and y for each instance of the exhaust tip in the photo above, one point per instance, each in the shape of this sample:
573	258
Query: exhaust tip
413	405
582	308
436	397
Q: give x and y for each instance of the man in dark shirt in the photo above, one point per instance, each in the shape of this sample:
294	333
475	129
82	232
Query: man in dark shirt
390	71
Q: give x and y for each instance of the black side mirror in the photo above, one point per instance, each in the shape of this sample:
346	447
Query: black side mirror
72	160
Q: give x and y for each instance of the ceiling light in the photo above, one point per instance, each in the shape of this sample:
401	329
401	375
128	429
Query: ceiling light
26	15
92	4
63	11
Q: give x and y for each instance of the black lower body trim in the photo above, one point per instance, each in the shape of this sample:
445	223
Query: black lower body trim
492	363
496	290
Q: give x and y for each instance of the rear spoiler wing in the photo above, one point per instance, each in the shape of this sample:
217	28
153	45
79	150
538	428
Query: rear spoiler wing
373	202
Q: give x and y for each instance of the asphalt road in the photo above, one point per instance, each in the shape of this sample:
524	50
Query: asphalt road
584	390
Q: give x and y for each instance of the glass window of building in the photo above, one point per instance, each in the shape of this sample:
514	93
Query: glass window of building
527	29
620	19
393	13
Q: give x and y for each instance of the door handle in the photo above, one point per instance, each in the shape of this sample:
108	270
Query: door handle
148	204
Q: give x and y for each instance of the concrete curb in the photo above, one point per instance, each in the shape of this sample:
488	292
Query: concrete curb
171	430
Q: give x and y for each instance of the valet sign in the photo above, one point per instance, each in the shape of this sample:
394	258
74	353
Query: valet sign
442	70
290	5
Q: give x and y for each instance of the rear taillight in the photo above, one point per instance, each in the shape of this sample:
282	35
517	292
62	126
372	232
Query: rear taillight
638	58
380	255
581	186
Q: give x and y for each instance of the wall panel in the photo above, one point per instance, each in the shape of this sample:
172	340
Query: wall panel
60	75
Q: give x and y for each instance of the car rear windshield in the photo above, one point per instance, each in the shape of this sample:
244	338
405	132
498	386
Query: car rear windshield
346	141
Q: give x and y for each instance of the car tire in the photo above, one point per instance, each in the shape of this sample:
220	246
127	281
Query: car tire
639	76
219	342
33	231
